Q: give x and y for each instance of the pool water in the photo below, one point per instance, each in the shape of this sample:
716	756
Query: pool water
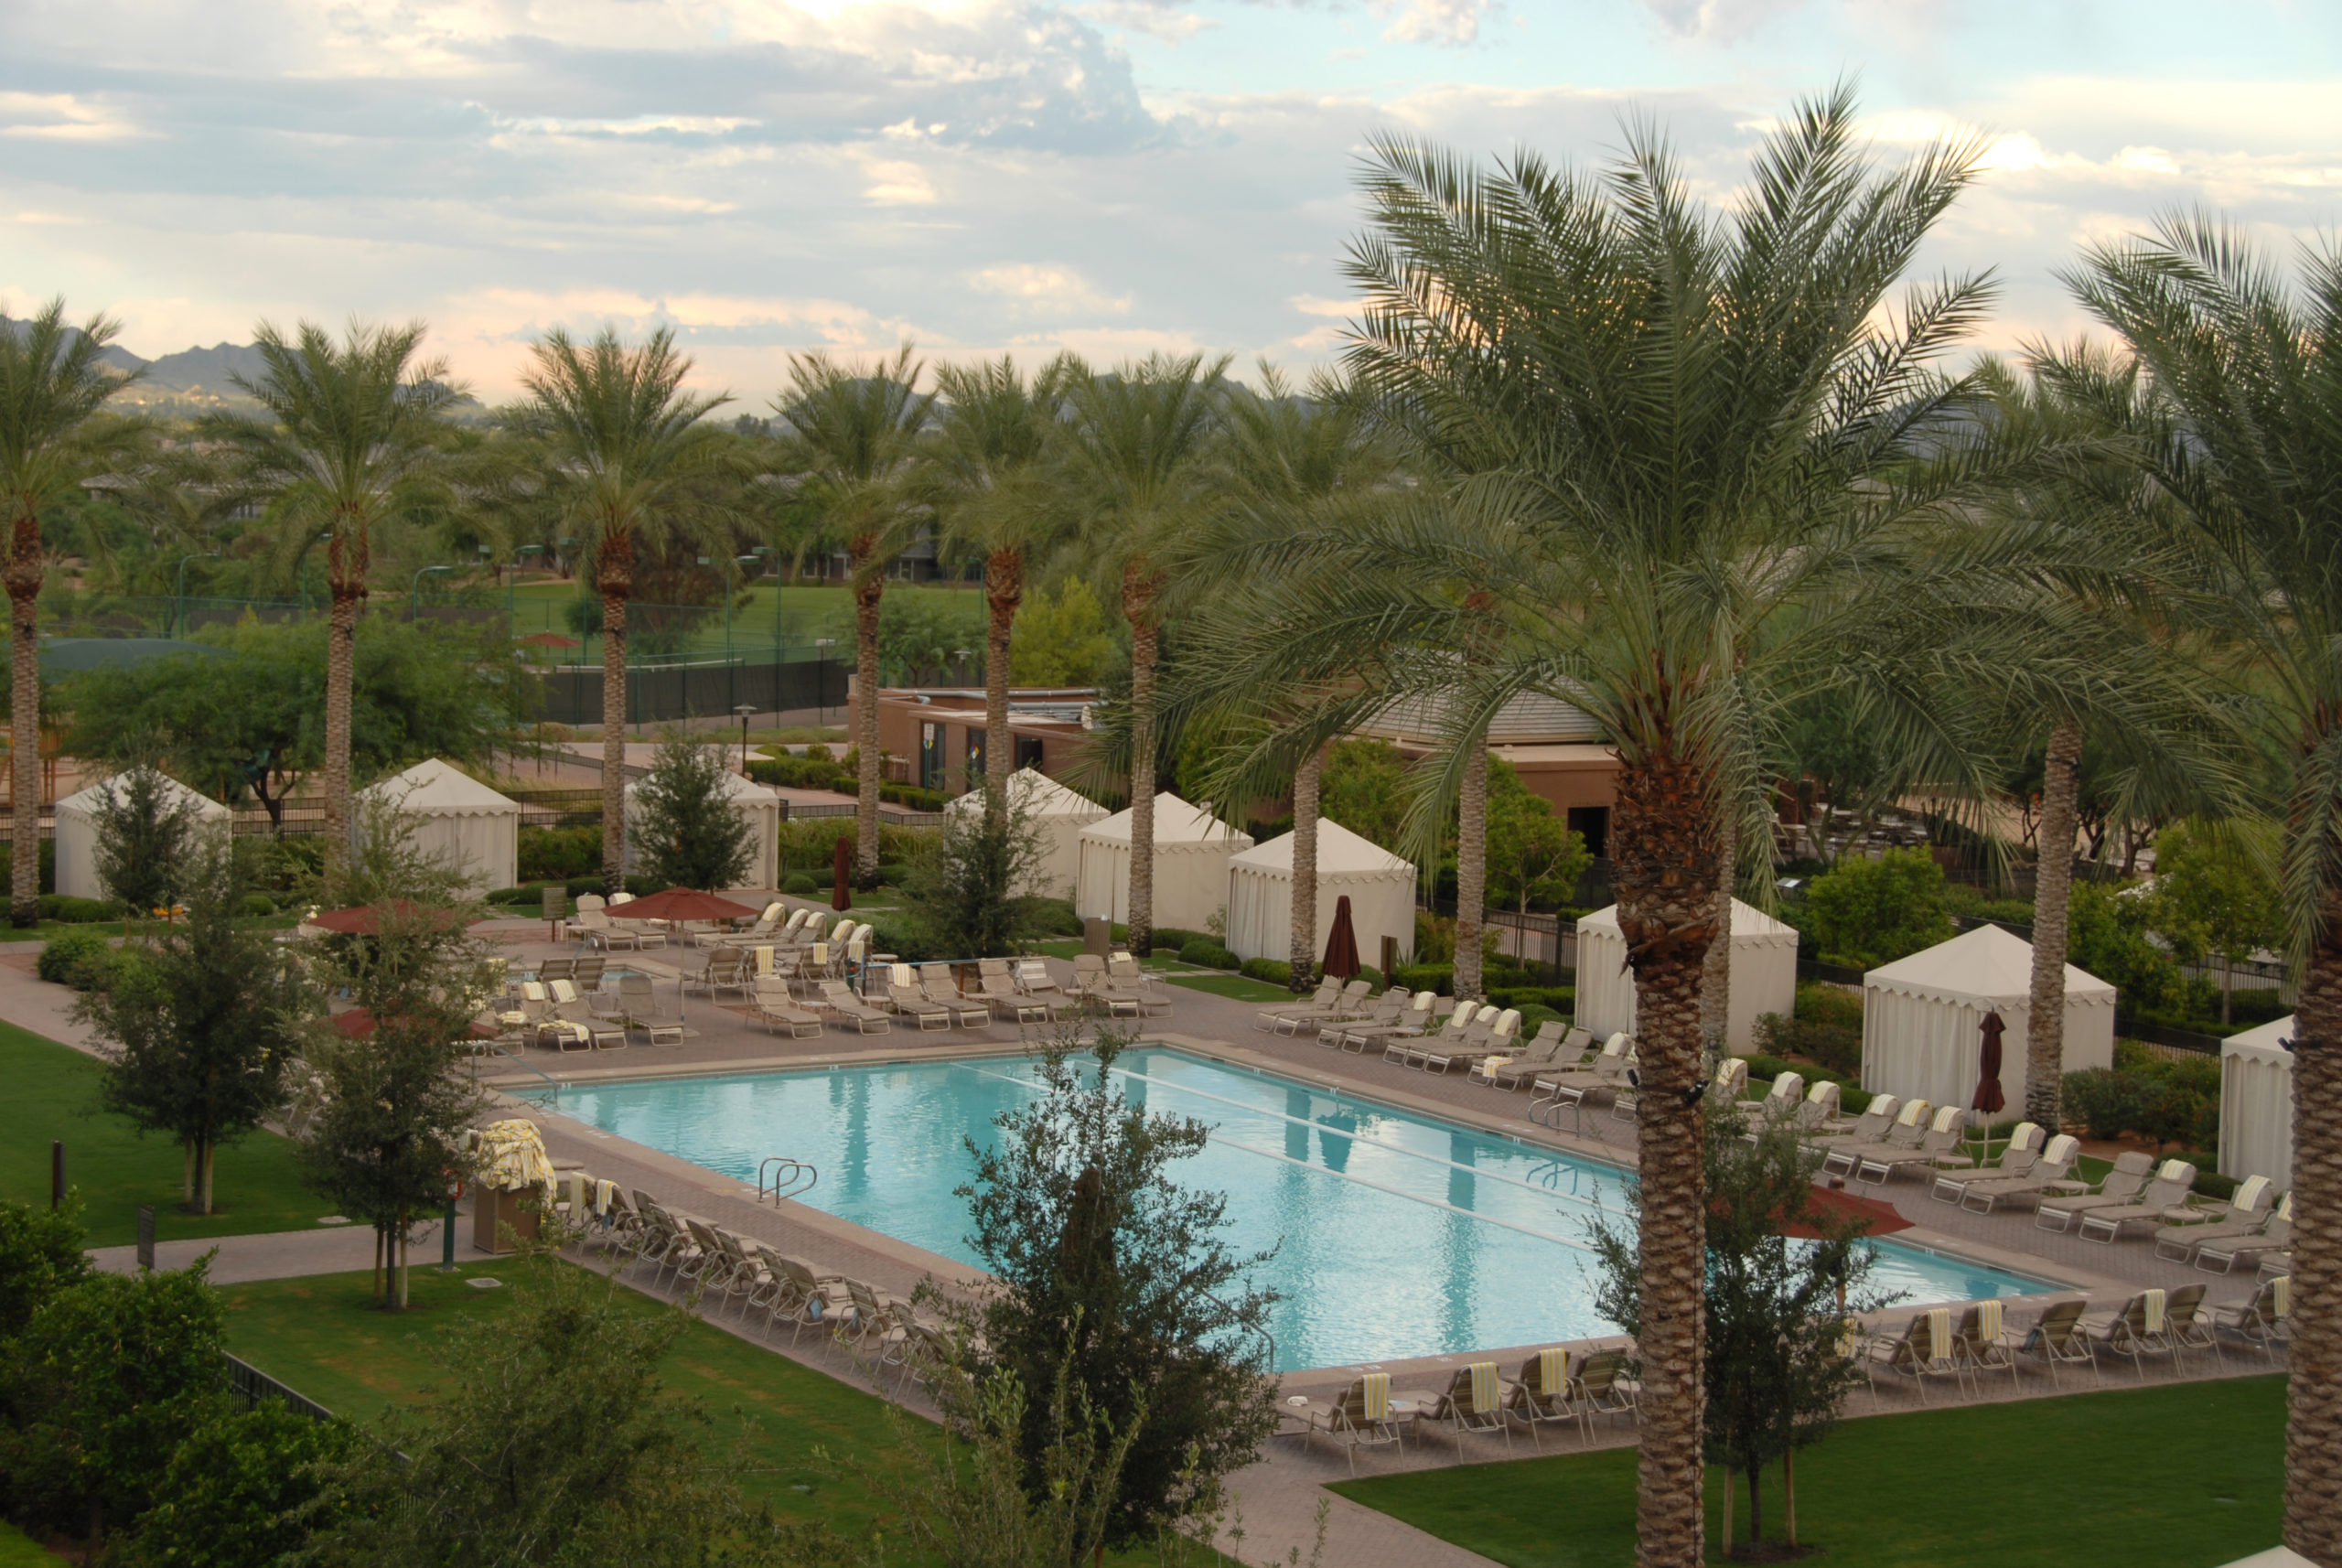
1396	1234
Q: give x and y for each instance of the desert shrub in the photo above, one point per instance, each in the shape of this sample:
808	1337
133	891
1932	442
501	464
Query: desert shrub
1208	954
1827	1028
2105	1102
1268	970
561	855
77	959
798	883
68	910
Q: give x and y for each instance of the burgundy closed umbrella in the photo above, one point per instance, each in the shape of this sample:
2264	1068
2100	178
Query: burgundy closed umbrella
842	875
1341	945
1988	1097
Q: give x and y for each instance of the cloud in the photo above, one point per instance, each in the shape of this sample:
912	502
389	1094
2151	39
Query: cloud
1160	22
62	117
1452	22
1037	289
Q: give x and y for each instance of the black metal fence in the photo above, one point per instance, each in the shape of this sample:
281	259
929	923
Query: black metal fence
251	1385
714	688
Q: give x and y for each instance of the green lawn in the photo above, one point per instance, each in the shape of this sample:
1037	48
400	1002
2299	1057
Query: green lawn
52	1093
1240	987
18	1550
322	1336
2184	1477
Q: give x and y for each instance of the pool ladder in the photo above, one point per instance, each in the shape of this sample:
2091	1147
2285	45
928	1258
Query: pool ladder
780	1177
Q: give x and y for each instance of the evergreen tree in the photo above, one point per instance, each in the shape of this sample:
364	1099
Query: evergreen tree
686	833
195	1030
971	888
145	839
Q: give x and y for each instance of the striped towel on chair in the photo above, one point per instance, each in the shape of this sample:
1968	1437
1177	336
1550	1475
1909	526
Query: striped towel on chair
605	1193
1552	1368
1374	1393
1988	1322
1484	1387
2281	1295
1939	1334
764	959
2151	1313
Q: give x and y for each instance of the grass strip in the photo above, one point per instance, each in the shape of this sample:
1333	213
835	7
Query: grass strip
2185	1476
1242	988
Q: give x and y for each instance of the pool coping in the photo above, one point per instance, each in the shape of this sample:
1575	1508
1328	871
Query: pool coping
2063	1278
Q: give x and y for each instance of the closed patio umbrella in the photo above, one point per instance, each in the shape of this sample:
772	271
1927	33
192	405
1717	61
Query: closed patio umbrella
1341	943
1988	1097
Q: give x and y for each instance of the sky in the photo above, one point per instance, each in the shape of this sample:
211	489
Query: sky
989	176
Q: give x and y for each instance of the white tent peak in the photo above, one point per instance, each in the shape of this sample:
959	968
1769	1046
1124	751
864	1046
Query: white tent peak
432	786
109	790
1987	962
1339	852
1748	922
2271	1036
1035	794
1177	823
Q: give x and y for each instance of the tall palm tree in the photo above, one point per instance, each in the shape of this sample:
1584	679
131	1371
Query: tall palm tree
2237	398
51	382
854	434
629	456
1677	461
991	450
350	442
1136	465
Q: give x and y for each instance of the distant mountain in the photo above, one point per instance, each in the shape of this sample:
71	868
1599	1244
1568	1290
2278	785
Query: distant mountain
206	369
197	378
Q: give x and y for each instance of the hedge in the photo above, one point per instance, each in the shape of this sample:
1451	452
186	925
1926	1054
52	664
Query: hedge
77	959
1206	953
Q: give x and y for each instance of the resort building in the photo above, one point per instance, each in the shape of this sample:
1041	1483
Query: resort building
1554	747
937	733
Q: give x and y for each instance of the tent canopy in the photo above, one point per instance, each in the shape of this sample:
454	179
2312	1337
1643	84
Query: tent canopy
1379	886
1057	813
1341	855
1178	826
1763	974
1192	849
1986	964
2257	1102
77	829
458	819
1923	1018
432	786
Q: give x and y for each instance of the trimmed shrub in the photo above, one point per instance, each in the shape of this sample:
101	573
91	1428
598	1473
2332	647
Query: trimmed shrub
1178	936
892	874
70	912
559	854
798	883
1058	917
1208	954
257	906
1439	977
77	959
1556	1001
1268	971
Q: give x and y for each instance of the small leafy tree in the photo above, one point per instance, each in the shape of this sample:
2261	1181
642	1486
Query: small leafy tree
550	1439
1869	912
106	1380
688	835
1531	852
145	839
1777	1306
1114	1284
1061	639
1364	786
41	1254
2215	895
969	885
236	1490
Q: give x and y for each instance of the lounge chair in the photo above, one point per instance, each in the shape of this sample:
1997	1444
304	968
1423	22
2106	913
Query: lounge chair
2132	1172
2051	1170
908	1001
1555	1046
1571	1090
1404	1022
969	1013
640	1011
1453	1032
2018	1159
1124	975
1091	984
1819	1107
838	997
553	968
1928	1347
1349	1001
2058	1339
1359	1416
1544	1393
532	1007
996	983
1502	1031
1908	1131
2220	1255
2247	1214
1878	1168
1870	1127
1474	1401
1982	1339
571	1013
1033	983
2260	1318
1604	1385
2141	1329
2163	1202
1730	1082
586	971
1319	1001
725	969
1783	1101
1387	1009
776	1007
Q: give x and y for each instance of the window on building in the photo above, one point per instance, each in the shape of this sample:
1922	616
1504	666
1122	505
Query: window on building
1592	823
931	756
1028	751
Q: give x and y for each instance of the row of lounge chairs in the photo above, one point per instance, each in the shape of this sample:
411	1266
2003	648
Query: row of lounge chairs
933	997
1558	1386
558	1015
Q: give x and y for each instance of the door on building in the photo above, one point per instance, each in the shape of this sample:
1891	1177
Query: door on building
1028	751
976	759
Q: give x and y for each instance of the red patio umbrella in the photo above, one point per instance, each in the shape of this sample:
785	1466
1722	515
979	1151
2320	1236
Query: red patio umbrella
1988	1097
842	876
1341	944
1835	1204
366	920
682	904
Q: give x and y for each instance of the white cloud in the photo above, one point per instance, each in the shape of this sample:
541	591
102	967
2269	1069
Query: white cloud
892	182
1039	289
1433	21
62	117
1158	22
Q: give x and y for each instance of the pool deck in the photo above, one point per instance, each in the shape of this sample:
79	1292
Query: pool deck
1280	1496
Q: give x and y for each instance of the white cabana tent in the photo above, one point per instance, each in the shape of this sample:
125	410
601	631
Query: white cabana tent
754	804
1763	974
457	818
2257	1103
1380	887
76	830
1057	813
1192	849
1923	1018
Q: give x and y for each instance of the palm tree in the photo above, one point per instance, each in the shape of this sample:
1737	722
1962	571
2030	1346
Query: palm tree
2232	403
1136	465
1678	478
991	450
628	456
51	380
350	442
854	434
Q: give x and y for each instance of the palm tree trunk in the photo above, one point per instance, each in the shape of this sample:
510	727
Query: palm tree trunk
25	568
1303	946
1003	590
1666	880
2053	884
341	662
1138	609
869	585
615	577
1715	974
1471	868
2313	1428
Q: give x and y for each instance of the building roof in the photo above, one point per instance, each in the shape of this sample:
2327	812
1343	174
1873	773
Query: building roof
1530	718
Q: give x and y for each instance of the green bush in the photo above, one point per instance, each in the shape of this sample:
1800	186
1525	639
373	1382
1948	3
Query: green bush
803	773
1827	1029
1852	1100
47	865
2105	1102
77	959
70	912
798	883
1869	912
913	796
1206	953
892	874
257	906
1561	1001
235	1489
1057	918
1439	977
558	854
1176	937
1268	971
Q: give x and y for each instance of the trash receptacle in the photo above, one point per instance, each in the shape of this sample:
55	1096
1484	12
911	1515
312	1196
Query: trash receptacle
512	1168
1097	936
495	1208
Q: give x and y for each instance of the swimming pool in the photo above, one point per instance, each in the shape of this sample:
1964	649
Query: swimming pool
1397	1234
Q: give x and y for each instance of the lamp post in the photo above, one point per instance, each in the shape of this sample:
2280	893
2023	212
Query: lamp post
822	646
744	710
414	591
178	599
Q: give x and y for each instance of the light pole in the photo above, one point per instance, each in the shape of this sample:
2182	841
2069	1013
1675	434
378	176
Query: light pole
178	599
822	646
414	591
744	710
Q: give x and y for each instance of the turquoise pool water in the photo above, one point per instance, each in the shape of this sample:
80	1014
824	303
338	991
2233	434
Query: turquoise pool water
1396	1234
